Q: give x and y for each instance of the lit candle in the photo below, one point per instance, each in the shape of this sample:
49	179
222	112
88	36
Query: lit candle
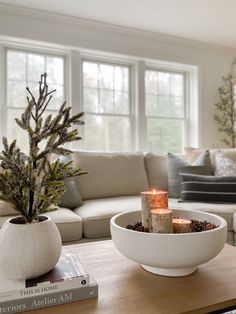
152	199
161	220
181	225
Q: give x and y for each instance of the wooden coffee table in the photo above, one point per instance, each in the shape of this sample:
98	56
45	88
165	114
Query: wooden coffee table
126	288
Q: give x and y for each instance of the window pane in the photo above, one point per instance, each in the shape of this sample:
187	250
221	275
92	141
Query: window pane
107	133
90	74
177	85
36	66
106	103
29	67
151	104
177	106
121	78
164	98
121	103
106	93
106	76
34	88
55	70
57	97
16	65
163	83
14	131
24	69
165	135
151	82
16	94
91	100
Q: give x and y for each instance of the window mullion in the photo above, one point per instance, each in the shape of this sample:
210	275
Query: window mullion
2	93
141	120
76	90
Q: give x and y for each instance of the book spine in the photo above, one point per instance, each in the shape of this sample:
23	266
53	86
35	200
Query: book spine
52	299
45	289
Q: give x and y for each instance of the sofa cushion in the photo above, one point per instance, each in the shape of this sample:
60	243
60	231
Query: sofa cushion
208	188
6	209
224	165
176	165
96	214
71	198
69	224
224	210
193	153
156	168
110	174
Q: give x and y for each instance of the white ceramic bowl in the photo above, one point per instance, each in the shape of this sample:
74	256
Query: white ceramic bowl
169	254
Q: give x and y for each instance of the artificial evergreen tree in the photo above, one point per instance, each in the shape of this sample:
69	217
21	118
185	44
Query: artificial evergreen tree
33	183
226	108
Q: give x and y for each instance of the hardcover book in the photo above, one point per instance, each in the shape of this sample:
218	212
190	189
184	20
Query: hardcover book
52	299
68	274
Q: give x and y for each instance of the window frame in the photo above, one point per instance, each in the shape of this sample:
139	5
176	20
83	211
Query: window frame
73	86
130	116
32	50
185	117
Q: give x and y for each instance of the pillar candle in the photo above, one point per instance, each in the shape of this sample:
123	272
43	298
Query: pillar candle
152	199
161	220
181	225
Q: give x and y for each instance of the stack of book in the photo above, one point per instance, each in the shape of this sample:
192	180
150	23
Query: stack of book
67	282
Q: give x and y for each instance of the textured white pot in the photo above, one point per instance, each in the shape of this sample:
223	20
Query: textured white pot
169	254
29	250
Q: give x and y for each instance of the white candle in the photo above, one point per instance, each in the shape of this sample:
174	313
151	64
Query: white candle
152	199
181	225
161	220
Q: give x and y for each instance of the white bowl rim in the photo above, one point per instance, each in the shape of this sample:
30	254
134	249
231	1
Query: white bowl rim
222	224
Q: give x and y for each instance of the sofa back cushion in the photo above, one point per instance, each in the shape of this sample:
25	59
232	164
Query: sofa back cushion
202	165
6	209
193	153
156	167
110	174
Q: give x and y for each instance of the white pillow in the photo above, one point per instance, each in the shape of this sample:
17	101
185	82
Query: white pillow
224	166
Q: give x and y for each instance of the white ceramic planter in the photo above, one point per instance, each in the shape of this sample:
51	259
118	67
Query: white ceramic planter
29	250
169	254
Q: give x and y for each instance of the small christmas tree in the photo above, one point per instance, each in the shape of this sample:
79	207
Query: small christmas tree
33	183
226	108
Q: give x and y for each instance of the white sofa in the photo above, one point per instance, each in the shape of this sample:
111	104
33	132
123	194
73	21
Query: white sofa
113	185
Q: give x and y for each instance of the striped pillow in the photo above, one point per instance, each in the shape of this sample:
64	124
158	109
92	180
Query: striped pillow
208	188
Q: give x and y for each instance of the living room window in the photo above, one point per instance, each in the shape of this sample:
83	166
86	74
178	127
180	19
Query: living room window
130	104
23	68
165	110
107	104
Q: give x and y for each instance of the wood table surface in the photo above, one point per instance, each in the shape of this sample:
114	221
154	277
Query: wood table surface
125	287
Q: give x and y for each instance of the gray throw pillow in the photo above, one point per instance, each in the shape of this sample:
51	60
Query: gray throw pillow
71	198
176	165
215	189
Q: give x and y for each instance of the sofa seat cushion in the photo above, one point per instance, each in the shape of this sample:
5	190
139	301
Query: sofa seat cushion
224	210
110	174
69	224
96	214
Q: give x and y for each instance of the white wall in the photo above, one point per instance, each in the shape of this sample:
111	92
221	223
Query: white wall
213	61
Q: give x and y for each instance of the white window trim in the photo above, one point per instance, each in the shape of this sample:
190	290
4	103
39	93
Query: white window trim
74	88
191	111
114	62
